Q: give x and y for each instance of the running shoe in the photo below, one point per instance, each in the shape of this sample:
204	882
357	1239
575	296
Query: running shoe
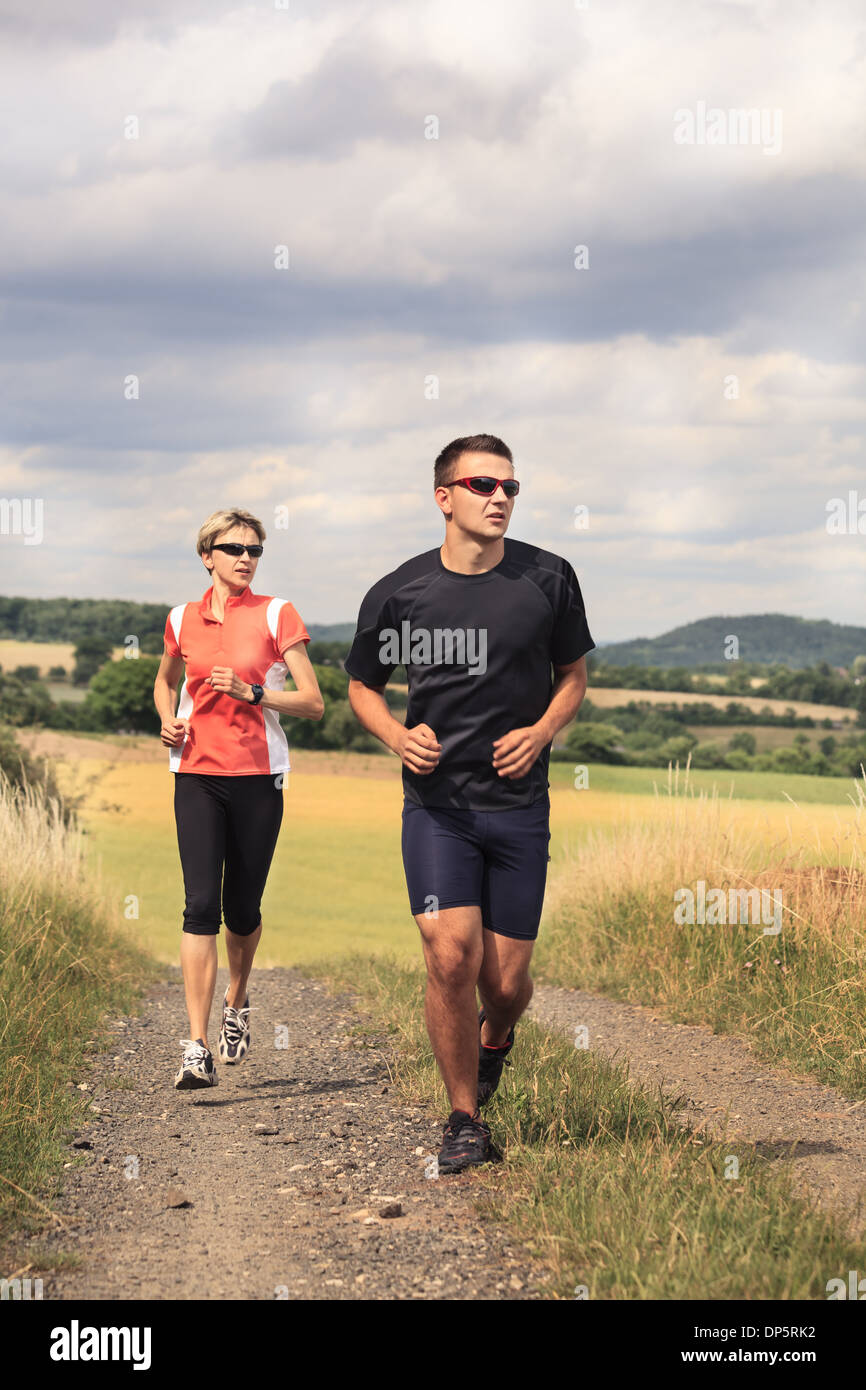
234	1043
197	1068
491	1060
465	1142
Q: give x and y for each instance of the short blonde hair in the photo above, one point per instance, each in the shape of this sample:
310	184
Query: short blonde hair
218	522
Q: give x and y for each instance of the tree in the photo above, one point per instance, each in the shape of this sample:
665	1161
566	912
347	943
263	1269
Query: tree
120	698
23	702
677	749
708	755
91	652
745	740
594	742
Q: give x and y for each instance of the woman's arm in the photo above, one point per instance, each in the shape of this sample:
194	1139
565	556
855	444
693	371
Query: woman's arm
305	702
165	698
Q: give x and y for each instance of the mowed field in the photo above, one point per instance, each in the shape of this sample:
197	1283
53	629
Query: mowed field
608	697
337	884
42	654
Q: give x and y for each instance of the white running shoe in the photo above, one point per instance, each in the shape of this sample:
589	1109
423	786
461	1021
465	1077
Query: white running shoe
234	1043
197	1068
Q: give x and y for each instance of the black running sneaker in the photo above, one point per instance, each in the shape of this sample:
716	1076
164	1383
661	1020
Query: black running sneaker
197	1068
491	1060
234	1043
465	1142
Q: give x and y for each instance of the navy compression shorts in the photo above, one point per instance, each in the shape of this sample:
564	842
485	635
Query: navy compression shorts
495	860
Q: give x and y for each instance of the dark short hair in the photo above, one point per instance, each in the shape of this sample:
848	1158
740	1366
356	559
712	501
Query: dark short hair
472	444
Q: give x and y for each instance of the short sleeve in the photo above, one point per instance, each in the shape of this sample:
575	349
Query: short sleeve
571	638
290	628
171	643
369	658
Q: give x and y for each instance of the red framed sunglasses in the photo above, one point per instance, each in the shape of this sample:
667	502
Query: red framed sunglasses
485	487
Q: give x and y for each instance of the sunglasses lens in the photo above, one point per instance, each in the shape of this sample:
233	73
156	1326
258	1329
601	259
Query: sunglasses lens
254	551
487	486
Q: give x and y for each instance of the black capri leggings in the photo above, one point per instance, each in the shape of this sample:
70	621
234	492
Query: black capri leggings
232	822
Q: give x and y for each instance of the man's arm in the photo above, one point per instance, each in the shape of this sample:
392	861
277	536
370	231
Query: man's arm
418	748
569	688
515	753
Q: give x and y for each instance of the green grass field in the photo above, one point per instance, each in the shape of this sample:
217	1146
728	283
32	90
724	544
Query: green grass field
336	884
771	787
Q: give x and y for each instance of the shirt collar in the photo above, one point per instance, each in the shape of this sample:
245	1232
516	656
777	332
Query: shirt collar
233	599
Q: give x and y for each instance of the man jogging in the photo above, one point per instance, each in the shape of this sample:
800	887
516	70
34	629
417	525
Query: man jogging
478	624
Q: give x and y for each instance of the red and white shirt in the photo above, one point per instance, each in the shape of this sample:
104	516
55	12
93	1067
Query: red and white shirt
231	737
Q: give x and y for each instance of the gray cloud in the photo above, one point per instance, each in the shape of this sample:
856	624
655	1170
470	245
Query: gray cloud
449	257
361	91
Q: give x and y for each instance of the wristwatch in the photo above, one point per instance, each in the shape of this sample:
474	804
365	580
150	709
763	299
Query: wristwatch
258	692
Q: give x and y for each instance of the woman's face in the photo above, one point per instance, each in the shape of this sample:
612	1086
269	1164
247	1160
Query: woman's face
235	570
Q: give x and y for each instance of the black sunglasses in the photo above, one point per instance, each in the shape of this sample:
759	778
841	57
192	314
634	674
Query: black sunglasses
486	487
231	548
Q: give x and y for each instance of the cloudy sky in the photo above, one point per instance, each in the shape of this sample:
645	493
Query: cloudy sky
694	377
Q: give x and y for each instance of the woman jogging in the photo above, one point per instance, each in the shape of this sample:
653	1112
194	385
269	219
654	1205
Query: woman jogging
230	757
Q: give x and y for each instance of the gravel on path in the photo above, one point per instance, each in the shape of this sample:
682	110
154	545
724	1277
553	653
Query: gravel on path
302	1175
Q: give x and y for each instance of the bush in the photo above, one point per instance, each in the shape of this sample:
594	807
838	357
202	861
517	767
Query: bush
23	769
24	702
595	743
120	698
677	749
90	654
708	755
745	741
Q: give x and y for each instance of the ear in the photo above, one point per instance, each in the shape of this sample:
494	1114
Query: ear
442	497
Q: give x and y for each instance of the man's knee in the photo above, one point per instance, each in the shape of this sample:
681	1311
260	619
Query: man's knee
453	965
503	994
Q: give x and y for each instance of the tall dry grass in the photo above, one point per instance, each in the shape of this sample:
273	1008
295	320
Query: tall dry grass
799	995
64	961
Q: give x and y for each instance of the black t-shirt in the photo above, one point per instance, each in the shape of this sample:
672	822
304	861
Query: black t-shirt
478	650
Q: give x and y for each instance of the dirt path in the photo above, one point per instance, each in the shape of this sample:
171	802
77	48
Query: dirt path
273	1185
768	1105
284	1169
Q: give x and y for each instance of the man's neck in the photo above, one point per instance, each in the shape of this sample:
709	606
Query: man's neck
468	555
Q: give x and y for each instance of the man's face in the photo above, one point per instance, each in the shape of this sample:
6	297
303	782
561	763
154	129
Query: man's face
236	570
484	517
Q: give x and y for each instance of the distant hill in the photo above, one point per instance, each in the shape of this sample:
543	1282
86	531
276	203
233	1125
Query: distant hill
765	638
331	632
768	638
70	619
